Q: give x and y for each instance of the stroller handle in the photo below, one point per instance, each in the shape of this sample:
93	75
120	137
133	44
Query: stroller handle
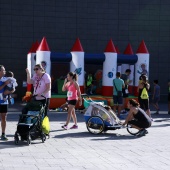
84	96
34	96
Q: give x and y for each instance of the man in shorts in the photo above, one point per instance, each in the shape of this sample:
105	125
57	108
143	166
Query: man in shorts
118	85
3	104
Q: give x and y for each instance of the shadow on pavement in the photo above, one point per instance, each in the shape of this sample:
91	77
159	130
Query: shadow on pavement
76	135
119	137
164	125
102	136
162	120
11	144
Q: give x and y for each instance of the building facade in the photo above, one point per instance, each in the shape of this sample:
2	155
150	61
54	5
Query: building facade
94	22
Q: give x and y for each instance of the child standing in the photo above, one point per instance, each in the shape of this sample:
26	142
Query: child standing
156	96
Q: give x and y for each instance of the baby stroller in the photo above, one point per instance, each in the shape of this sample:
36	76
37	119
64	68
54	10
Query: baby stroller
99	117
30	124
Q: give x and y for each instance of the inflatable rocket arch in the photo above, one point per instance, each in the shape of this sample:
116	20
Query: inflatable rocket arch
111	59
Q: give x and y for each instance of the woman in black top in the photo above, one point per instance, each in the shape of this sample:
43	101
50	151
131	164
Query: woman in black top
137	117
144	103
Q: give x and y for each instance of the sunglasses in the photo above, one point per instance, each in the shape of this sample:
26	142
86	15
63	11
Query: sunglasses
35	69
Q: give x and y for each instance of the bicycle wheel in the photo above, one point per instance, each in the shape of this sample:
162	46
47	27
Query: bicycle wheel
95	125
131	130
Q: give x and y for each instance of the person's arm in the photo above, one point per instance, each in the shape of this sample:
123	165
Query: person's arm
29	81
148	86
139	86
79	93
6	92
129	117
123	85
5	83
126	82
64	85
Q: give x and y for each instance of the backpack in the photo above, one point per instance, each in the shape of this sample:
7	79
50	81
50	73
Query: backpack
144	94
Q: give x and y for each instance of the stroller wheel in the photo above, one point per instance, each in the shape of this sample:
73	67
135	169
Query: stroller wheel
95	125
48	136
29	140
16	139
43	137
131	130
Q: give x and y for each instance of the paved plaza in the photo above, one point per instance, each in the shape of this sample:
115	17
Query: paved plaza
79	150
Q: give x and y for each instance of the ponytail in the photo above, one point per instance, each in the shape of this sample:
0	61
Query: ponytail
73	75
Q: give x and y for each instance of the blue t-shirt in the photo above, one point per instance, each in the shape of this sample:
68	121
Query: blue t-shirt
1	94
119	83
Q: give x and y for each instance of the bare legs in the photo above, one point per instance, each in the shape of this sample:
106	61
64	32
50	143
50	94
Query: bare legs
119	108
3	121
71	113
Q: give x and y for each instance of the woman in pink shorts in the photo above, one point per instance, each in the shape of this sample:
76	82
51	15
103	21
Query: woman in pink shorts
73	95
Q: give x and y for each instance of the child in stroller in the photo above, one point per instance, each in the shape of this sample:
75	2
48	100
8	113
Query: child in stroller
30	123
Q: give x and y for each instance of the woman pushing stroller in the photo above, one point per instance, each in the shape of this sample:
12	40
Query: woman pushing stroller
42	85
137	118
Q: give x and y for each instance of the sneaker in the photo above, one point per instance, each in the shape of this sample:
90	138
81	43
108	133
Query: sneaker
146	132
142	132
74	127
64	127
3	137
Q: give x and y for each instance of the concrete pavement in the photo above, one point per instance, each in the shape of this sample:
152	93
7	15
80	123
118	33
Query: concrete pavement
78	149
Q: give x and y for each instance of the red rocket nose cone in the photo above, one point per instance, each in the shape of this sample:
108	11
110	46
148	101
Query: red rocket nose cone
128	50
43	45
142	48
77	46
110	47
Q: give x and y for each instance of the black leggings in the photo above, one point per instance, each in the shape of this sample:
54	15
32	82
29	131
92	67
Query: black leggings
144	103
140	124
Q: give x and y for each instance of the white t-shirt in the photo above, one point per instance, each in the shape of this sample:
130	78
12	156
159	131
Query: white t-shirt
13	82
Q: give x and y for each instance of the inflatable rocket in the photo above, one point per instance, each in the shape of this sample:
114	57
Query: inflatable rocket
77	63
109	69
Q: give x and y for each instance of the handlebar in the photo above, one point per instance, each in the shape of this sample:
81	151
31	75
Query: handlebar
34	96
84	96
